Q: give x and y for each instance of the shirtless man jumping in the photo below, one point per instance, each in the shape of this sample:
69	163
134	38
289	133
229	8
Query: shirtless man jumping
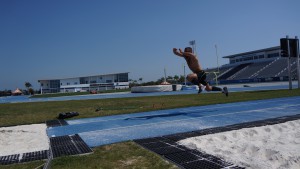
198	76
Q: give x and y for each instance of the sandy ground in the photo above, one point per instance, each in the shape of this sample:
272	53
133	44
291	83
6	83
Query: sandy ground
273	146
23	139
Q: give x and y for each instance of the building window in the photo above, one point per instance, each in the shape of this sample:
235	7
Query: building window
123	77
272	55
54	84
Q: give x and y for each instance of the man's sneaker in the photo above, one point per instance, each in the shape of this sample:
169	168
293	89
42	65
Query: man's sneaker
225	91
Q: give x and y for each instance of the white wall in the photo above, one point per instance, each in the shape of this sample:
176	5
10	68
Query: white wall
45	84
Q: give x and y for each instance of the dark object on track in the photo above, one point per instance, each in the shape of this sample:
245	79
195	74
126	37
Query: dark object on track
67	115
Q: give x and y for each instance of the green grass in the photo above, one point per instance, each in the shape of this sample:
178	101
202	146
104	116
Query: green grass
76	93
31	165
121	155
125	155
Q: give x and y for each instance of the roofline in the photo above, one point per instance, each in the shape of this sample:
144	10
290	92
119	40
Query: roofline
251	52
83	76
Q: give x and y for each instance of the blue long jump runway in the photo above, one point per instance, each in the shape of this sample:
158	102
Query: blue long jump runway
111	129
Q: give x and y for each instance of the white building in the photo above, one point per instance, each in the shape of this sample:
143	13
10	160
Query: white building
261	55
86	83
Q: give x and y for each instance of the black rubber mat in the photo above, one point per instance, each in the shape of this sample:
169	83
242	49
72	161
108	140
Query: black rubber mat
60	146
167	150
181	157
25	157
68	145
189	134
11	159
175	137
32	156
55	123
203	164
167	146
81	145
158	144
147	140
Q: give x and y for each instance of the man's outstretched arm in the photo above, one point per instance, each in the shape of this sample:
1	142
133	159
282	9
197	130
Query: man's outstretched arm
177	53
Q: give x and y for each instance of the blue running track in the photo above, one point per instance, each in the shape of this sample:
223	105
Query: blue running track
21	99
111	129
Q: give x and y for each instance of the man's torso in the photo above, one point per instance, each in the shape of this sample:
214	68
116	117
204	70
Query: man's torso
193	63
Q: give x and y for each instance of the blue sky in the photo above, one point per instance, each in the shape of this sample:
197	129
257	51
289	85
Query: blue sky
70	38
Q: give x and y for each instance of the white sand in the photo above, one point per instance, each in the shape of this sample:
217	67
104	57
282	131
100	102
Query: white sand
273	146
23	139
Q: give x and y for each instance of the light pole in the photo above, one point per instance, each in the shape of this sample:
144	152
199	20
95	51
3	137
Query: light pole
289	63
217	64
193	44
165	74
217	57
298	64
184	74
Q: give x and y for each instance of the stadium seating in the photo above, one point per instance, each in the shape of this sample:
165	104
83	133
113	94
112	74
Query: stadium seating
276	68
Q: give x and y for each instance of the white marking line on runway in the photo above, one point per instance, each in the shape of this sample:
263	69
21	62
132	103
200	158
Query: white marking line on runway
188	119
218	106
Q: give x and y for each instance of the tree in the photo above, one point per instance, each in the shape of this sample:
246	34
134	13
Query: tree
159	81
140	79
29	89
181	79
28	85
169	78
176	78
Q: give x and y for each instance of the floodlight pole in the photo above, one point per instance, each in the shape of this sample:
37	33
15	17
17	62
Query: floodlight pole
217	64
298	64
289	63
193	44
184	74
165	74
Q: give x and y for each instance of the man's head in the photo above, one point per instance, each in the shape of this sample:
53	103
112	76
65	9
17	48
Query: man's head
188	49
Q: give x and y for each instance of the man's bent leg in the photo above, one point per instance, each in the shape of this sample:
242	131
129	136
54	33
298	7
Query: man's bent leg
224	90
193	78
195	81
214	88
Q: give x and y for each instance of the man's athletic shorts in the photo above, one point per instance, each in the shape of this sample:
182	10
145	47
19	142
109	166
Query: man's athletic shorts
202	77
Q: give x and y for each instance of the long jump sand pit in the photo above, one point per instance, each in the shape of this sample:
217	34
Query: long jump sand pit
23	139
271	146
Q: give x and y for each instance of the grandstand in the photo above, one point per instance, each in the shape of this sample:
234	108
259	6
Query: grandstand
255	66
